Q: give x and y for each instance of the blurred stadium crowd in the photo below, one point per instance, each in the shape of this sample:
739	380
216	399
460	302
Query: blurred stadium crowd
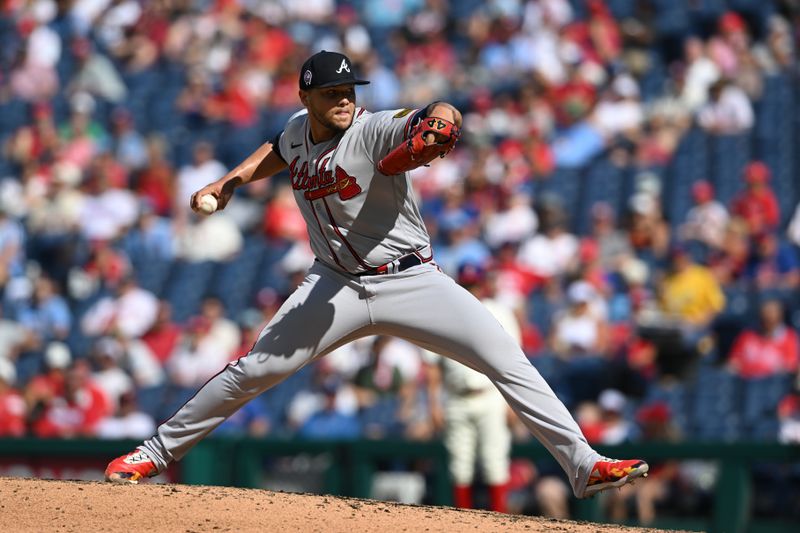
626	185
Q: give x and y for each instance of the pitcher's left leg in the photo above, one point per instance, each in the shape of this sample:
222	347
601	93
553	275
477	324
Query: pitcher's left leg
430	309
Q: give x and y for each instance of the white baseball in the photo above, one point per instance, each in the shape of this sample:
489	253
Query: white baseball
207	204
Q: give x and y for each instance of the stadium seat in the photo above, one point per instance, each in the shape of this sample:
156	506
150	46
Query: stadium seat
151	401
729	155
271	273
714	408
186	287
152	273
677	397
760	398
603	182
234	281
689	165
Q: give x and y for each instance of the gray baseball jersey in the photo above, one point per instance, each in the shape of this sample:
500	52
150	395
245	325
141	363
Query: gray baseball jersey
359	219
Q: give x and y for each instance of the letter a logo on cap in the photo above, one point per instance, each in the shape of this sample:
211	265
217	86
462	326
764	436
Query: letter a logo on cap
343	66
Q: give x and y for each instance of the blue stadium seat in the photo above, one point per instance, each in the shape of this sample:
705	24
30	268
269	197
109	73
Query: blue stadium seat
152	273
604	182
271	274
29	363
739	304
760	398
714	410
541	311
13	114
672	17
729	155
622	8
151	401
566	183
654	79
689	165
676	396
187	285
239	142
234	281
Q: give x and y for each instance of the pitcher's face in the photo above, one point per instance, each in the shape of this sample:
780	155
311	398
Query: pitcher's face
332	107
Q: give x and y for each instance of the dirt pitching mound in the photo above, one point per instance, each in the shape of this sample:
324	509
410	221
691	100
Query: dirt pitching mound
44	505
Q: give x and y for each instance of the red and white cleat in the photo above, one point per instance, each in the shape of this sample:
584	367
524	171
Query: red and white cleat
608	473
130	468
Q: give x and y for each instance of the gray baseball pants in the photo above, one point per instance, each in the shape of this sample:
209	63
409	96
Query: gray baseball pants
422	305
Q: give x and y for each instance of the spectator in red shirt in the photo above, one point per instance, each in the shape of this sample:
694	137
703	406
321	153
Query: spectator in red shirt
773	349
268	45
163	336
36	139
12	406
232	103
282	218
539	153
757	204
573	100
156	180
40	391
77	411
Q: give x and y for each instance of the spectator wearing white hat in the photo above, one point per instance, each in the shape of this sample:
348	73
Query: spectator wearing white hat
580	329
579	338
616	427
621	111
108	356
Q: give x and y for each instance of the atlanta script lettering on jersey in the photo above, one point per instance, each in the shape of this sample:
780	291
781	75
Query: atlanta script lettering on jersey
323	182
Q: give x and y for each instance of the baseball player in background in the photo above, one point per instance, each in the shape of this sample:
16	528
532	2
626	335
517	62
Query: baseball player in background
475	418
374	274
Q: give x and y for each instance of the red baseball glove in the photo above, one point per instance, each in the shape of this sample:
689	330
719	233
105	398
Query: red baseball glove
416	152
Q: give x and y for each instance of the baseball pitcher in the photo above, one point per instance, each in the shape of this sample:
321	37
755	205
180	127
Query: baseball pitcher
374	274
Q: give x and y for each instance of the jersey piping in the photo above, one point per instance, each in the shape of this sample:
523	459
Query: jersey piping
344	240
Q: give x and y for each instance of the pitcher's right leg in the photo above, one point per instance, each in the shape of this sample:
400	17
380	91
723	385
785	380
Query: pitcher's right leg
326	311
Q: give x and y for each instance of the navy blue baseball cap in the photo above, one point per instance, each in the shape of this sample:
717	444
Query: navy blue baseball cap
328	69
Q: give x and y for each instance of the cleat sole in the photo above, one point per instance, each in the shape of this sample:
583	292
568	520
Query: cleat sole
629	479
